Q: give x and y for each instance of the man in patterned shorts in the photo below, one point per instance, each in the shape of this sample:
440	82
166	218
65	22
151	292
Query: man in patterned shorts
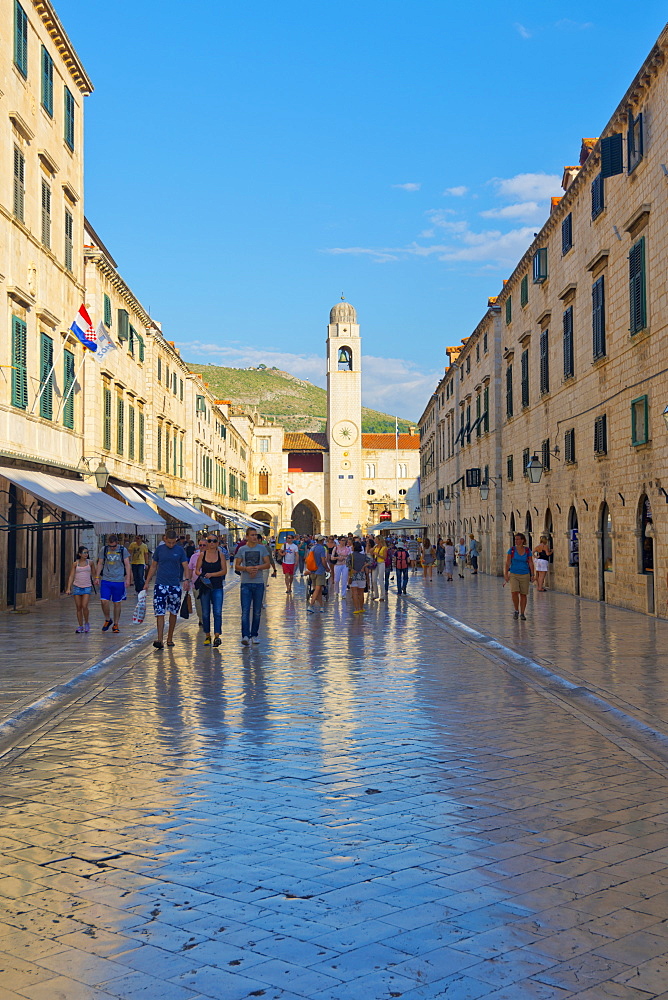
170	567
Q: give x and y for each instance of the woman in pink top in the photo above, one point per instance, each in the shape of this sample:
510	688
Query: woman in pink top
340	554
80	583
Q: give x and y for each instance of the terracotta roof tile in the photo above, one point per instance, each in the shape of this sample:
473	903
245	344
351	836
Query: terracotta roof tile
380	441
298	441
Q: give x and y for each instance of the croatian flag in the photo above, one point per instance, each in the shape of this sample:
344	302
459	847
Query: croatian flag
82	328
289	492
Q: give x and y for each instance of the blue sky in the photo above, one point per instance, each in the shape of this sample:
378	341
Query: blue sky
247	163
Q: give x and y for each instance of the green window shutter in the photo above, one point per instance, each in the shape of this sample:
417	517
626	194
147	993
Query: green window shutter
159	447
540	266
20	39
68	380
181	456
510	470
174	453
598	317
601	435
525	377
142	430
142	348
597	196
509	391
485	409
544	361
159	370
639	420
46	215
106	418
181	389
509	310
637	289
120	425
19	184
478	415
569	360
47	82
634	142
545	455
526	458
569	446
132	340
131	431
69	241
19	364
123	325
524	291
69	118
107	312
567	234
612	156
46	377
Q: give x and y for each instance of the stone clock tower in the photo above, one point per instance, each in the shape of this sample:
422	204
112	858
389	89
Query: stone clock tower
344	419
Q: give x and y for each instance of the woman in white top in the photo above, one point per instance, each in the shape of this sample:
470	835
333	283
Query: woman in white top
542	554
340	554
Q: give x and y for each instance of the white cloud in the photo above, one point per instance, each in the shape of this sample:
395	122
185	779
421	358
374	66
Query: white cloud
527	187
381	376
525	211
521	30
456	192
566	24
411	186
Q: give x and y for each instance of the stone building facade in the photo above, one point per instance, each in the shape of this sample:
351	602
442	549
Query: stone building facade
577	370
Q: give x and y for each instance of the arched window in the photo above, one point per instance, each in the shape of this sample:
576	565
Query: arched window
370	470
345	359
263	482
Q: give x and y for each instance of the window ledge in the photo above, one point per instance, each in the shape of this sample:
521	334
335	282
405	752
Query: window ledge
600	215
599	258
638	220
597	362
568	379
642	444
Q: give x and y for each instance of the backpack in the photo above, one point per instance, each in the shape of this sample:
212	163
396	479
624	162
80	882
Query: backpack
401	559
311	563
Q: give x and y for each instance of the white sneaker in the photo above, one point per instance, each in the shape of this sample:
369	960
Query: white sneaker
255	641
245	640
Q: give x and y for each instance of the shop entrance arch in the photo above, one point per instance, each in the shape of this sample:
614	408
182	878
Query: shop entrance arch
574	548
646	544
306	518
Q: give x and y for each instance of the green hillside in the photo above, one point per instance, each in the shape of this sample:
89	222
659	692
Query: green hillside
296	404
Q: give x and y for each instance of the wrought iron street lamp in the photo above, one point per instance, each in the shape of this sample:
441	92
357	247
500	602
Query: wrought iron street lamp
535	469
429	508
484	491
160	491
101	473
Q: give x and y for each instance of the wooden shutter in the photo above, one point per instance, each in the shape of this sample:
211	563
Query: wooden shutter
597	196
106	418
509	310
107	312
634	142
601	435
46	215
612	156
69	240
142	348
46	376
637	292
159	370
510	470
540	266
69	118
20	39
598	317
569	446
526	458
142	429
19	184
485	407
19	364
159	447
567	234
524	291
544	361
131	431
545	454
120	424
525	377
47	82
123	325
478	415
68	379
569	361
509	391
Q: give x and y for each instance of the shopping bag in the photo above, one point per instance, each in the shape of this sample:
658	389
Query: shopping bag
140	608
185	607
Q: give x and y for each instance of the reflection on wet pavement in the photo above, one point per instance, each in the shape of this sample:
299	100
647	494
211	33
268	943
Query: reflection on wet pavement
354	809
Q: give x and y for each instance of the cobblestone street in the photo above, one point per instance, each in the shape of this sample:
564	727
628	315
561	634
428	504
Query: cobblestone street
360	807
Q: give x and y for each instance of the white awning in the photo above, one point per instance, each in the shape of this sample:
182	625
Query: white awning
175	513
234	517
197	519
82	500
157	523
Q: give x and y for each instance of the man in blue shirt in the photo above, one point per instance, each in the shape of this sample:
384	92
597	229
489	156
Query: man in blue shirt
319	577
170	567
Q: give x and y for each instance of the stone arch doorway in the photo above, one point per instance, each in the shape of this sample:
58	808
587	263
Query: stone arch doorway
306	518
645	533
574	548
262	515
605	563
528	529
549	531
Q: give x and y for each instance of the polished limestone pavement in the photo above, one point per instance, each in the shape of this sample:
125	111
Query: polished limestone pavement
361	807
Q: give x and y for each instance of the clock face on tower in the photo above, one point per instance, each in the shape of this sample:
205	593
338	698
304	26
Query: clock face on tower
344	432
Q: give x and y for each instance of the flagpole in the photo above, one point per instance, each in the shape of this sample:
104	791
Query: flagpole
396	462
46	380
71	388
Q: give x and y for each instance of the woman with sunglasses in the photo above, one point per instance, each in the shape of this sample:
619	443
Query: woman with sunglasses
211	570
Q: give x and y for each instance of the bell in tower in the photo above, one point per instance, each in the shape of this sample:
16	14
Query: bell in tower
345	359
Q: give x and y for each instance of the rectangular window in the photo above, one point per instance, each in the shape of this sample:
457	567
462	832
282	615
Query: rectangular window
526	458
468	364
175	385
484	347
524	291
159	447
123	325
569	358
69	118
509	310
142	348
598	317
634	142
47	82
601	435
540	266
19	364
264	444
478	416
175	457
181	456
509	391
19	184
159	370
544	362
640	421
142	431
510	468
120	424
485	409
525	377
637	289
597	196
167	375
106	417
131	431
567	234
107	312
46	215
46	376
181	389
569	446
545	455
69	240
68	392
477	359
20	39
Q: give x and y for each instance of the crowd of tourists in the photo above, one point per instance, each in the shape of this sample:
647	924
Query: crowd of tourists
189	576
